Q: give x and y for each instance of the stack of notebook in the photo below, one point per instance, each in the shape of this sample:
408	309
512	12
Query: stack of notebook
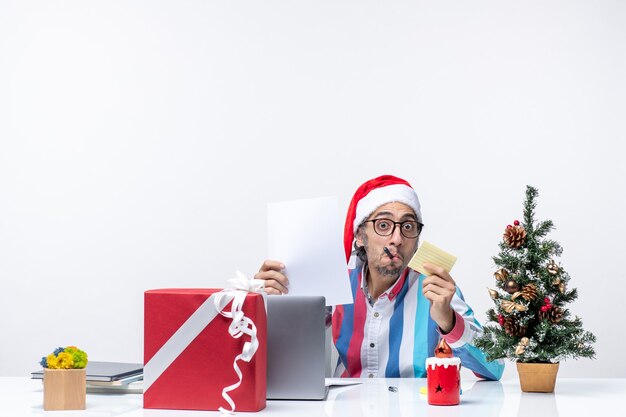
110	377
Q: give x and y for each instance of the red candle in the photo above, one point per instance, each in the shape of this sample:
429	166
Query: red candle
443	374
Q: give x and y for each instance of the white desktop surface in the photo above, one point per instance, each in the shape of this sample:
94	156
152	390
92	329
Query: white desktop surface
572	397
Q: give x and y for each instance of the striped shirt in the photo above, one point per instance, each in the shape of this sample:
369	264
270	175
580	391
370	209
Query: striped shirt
393	336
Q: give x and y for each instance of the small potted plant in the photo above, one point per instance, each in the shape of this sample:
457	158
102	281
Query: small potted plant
64	379
530	323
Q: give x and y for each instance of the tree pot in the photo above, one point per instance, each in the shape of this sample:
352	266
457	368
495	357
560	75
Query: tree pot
64	389
537	377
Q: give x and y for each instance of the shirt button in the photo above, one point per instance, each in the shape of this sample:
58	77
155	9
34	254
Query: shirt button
370	376
372	345
376	314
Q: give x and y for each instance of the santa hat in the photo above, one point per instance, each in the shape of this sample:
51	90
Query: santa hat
373	194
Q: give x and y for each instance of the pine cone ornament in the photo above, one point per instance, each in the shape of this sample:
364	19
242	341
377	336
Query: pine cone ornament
513	328
529	292
514	236
553	314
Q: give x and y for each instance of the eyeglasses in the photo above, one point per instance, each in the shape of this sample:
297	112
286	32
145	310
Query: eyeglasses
385	227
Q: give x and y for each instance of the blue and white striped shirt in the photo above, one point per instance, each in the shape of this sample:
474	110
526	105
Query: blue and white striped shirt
393	336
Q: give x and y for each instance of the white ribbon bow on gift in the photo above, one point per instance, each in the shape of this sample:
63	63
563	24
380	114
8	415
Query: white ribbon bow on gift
240	325
241	282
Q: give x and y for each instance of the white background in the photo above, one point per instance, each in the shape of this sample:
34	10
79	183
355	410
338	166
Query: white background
142	140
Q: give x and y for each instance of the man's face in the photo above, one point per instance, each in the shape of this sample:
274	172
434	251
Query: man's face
401	248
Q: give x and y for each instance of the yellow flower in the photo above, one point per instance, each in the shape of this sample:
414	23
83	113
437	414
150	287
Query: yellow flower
53	361
66	360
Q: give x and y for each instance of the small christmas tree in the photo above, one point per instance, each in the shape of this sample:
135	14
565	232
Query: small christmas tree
530	321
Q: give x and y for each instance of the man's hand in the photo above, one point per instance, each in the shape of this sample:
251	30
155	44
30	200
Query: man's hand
439	288
275	281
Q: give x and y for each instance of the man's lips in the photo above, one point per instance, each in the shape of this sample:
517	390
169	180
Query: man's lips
392	256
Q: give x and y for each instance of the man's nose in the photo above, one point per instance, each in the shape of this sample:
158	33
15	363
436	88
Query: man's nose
396	236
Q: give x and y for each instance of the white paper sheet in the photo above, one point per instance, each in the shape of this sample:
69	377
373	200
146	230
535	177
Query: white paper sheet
340	382
307	236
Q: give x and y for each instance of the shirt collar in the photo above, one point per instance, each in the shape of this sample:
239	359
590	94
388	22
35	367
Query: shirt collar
391	293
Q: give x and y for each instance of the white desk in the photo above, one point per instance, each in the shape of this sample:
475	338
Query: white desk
573	397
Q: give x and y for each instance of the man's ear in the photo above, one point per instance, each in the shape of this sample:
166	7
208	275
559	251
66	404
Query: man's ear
358	239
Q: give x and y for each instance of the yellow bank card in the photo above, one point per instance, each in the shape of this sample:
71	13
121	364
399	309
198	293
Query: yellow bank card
433	255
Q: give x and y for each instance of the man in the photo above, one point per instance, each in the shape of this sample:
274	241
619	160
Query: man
398	314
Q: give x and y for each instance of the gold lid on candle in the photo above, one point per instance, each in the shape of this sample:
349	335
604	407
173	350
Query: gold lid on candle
443	350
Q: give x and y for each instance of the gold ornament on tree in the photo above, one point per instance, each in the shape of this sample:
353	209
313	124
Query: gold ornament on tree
511	286
501	274
553	268
561	284
510	306
515	236
521	346
493	294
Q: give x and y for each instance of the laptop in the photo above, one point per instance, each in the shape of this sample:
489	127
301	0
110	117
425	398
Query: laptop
296	340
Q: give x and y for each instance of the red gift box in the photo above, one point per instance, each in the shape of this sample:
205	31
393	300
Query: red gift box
189	353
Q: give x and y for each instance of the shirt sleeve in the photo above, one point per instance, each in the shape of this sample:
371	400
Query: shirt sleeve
461	338
329	316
